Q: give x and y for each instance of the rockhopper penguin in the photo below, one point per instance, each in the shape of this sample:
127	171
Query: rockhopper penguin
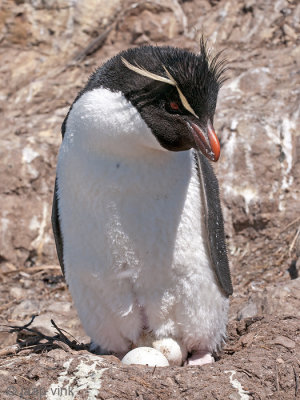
136	213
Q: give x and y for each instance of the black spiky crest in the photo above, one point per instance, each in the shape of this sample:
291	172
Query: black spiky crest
216	64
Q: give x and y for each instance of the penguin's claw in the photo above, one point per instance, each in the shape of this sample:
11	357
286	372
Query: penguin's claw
200	357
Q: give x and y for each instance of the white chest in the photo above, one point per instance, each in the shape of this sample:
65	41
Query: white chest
126	204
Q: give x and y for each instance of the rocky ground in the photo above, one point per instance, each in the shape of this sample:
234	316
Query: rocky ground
48	49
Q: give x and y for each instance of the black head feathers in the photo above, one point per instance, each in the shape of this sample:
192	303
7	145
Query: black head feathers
197	77
174	90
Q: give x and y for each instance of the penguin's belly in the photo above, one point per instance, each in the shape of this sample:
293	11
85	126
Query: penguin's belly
135	248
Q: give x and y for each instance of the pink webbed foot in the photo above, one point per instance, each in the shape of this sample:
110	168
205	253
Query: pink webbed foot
200	357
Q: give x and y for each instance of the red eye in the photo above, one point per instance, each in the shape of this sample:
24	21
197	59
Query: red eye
174	105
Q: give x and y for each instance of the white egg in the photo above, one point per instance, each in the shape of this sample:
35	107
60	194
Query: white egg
145	356
172	350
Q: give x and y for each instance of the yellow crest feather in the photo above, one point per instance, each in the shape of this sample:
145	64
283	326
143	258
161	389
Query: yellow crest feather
183	99
170	80
144	72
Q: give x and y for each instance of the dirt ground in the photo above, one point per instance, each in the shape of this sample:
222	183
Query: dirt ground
48	49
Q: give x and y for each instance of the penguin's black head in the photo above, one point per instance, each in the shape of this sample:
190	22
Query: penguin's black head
174	90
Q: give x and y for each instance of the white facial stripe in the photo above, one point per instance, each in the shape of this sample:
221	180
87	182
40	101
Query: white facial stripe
170	81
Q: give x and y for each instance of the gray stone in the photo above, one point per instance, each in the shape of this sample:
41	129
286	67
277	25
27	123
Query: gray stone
25	309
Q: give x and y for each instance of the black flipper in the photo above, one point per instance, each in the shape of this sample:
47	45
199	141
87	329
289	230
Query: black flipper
56	229
214	222
55	218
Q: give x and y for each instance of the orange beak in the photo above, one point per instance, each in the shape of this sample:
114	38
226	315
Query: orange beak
206	141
